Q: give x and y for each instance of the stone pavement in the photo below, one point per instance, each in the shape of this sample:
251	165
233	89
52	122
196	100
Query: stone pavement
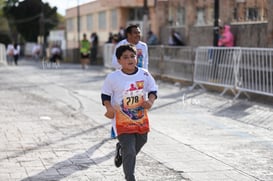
52	128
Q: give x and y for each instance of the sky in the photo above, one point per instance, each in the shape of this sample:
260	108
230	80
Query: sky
62	5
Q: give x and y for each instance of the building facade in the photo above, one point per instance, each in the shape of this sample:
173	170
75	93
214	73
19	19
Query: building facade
251	20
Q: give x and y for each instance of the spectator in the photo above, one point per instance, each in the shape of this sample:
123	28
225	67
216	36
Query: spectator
10	52
115	39
94	39
226	38
152	39
110	37
175	39
56	55
16	53
121	34
36	52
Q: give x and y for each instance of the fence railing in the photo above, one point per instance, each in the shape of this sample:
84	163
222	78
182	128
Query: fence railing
216	67
172	62
240	70
255	71
164	61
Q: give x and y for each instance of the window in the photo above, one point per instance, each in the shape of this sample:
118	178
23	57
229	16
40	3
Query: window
252	14
250	11
70	25
180	16
102	20
176	15
82	24
135	14
89	22
114	18
210	16
200	17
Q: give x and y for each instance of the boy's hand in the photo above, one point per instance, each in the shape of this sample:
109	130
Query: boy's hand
147	104
110	113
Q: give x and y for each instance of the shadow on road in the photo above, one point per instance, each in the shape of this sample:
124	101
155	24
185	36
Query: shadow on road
76	163
46	144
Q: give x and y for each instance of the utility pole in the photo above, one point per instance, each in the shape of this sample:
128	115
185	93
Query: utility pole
145	20
42	30
78	29
216	23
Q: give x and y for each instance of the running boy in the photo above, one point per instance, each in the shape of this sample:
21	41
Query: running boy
127	94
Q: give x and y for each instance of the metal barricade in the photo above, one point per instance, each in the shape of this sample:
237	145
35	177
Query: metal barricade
240	70
255	71
172	62
108	50
216	66
156	59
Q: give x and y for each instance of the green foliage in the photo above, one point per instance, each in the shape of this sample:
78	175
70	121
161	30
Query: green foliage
30	18
4	28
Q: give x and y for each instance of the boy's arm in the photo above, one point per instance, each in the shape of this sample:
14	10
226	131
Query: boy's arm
152	96
106	101
110	111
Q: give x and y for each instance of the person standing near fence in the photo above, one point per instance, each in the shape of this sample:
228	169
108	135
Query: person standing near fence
94	40
226	38
152	39
127	94
175	39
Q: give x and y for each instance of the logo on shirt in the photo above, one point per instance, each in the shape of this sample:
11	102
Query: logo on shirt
133	98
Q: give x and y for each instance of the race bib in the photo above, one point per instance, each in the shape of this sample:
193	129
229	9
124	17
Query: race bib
132	117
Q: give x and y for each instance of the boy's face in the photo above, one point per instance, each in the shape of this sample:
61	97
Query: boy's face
128	61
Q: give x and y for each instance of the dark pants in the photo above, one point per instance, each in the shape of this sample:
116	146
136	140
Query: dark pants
94	51
131	144
16	57
55	57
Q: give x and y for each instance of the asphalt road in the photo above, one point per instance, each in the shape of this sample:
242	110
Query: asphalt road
52	128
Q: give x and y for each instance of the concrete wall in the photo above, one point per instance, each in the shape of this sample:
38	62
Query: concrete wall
246	35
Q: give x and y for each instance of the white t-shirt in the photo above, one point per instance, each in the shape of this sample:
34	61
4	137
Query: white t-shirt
55	51
127	94
10	50
17	50
142	54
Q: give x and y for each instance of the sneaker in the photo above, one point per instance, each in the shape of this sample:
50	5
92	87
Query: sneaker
118	158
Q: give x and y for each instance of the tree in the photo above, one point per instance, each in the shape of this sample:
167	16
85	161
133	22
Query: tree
30	18
4	30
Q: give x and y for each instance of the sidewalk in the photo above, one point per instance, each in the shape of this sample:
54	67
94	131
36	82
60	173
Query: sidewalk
53	128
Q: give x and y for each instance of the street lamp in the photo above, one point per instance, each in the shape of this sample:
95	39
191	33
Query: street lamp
78	29
78	20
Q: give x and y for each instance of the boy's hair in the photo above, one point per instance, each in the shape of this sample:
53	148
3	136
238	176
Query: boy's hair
121	49
130	27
